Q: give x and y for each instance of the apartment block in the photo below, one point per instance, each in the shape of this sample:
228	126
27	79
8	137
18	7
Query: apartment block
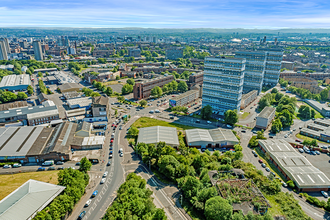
248	98
254	70
38	55
223	83
142	90
265	117
174	53
134	52
184	98
273	67
3	51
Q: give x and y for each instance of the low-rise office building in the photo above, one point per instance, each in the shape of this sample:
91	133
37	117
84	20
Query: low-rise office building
265	117
85	102
184	98
100	108
319	130
294	166
32	116
214	138
323	108
156	134
70	87
248	98
15	82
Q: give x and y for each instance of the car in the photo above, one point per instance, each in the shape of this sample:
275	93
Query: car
203	149
121	154
6	166
151	111
137	110
59	163
300	150
95	193
209	122
300	127
313	152
60	168
267	169
325	194
72	168
324	147
172	117
78	164
82	214
105	174
110	152
254	153
157	111
273	173
285	136
260	161
297	140
110	156
198	121
317	152
103	180
110	148
263	165
41	169
229	126
284	184
88	203
51	168
243	131
293	129
109	163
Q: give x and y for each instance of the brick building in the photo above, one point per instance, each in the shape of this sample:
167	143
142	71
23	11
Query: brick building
142	90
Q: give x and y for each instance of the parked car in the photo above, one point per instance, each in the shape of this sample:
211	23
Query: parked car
297	140
78	164
51	168
109	163
313	153
41	169
209	122
105	174
273	173
263	165
111	152
59	163
317	152
325	194
172	117
95	193
151	111
82	214
103	180
6	166
88	203
284	184
60	168
121	154
260	161
229	126
300	150
198	121
267	169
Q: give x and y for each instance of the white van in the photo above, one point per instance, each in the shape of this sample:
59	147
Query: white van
88	203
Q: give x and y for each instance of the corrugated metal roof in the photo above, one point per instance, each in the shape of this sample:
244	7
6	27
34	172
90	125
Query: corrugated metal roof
26	111
15	80
31	197
296	166
156	134
212	136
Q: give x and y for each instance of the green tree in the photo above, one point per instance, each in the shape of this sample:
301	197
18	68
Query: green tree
40	74
217	208
108	91
304	112
274	91
231	117
143	102
206	112
253	141
133	132
95	94
276	126
21	96
324	94
85	165
156	91
116	113
126	89
182	86
30	89
130	81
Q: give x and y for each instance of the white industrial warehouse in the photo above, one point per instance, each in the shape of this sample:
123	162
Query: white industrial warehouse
156	134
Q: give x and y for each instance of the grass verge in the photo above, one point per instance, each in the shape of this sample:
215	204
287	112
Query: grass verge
300	136
149	122
244	115
9	183
275	210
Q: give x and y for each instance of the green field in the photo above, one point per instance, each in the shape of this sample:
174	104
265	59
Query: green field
244	115
9	183
149	122
303	137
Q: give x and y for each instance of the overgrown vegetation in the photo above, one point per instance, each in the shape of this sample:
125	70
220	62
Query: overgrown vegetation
134	202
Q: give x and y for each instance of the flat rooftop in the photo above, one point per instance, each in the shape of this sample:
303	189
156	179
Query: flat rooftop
28	111
184	95
266	112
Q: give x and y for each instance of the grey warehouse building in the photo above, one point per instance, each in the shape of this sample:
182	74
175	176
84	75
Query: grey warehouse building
156	134
15	82
294	166
28	199
265	117
215	138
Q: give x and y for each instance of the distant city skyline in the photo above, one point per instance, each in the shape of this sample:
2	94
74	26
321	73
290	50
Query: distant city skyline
270	14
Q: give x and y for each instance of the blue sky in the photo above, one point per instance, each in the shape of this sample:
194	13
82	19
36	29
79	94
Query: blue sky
166	13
